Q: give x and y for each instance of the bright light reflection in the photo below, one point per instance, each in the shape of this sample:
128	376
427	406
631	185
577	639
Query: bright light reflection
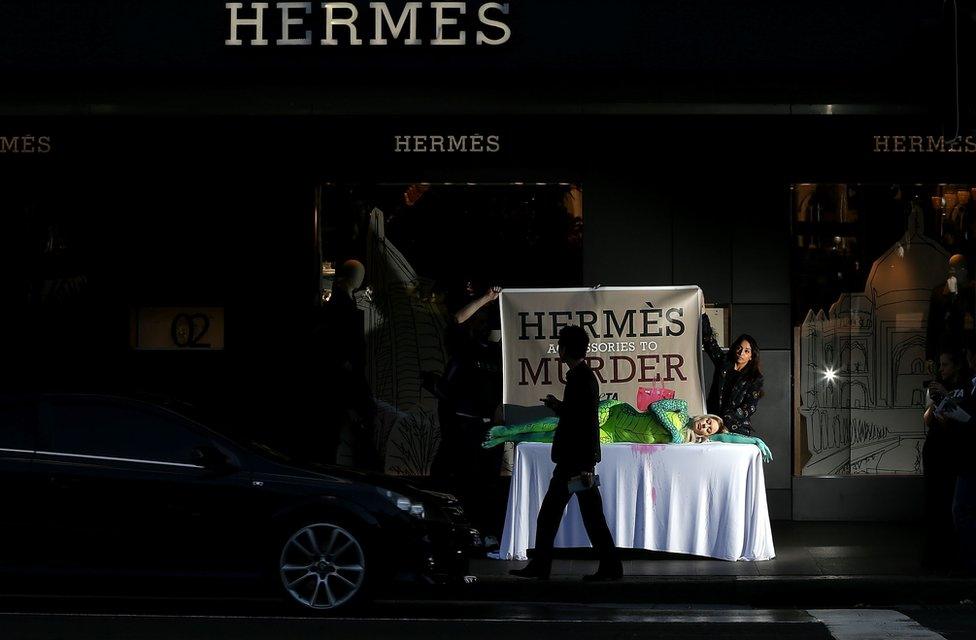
830	375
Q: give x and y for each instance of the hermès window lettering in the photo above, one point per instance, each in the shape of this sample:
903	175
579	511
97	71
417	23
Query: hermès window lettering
924	144
337	24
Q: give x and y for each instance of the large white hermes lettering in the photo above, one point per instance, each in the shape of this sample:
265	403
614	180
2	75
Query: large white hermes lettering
341	23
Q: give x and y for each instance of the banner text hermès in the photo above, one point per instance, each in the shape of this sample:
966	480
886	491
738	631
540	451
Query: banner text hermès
639	337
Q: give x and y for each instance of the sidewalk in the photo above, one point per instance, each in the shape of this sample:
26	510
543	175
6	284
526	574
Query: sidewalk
816	564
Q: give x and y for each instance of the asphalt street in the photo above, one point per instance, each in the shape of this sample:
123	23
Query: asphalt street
472	625
165	619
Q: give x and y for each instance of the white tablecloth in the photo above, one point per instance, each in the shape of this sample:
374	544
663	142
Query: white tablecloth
698	499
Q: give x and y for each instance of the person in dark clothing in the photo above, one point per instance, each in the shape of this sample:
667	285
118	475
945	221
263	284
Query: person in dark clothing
941	459
951	310
469	394
340	343
575	450
737	384
964	497
345	320
470	389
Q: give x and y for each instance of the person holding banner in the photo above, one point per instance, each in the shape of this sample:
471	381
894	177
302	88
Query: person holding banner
738	381
468	395
575	450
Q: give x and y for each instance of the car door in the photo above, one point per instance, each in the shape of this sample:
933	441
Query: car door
125	490
18	484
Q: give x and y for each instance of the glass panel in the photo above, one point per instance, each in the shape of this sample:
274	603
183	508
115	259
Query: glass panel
870	264
430	253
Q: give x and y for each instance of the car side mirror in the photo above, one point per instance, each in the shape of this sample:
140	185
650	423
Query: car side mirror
212	459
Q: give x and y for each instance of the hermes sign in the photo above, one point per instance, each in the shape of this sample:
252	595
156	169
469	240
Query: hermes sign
332	24
468	143
924	144
25	144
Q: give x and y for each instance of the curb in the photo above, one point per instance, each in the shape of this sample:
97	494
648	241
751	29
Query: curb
755	591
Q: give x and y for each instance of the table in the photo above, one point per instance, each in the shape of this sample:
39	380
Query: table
698	499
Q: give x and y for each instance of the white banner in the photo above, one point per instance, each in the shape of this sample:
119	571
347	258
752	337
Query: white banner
639	337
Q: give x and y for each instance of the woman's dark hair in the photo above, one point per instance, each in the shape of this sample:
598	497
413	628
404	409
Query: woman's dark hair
754	368
957	357
575	340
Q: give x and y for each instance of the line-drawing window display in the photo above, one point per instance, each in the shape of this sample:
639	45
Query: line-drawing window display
859	396
424	247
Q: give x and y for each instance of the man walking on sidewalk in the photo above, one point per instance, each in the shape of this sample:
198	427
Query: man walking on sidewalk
575	450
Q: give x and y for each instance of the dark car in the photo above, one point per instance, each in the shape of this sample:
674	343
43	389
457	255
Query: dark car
118	486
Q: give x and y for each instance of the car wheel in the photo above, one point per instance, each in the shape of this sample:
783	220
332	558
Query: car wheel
323	567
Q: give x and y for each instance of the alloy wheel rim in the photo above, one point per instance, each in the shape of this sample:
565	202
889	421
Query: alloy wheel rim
322	566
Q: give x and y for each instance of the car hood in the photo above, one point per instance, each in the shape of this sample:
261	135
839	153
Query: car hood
331	473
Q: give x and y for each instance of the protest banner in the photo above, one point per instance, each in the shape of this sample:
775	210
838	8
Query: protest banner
640	337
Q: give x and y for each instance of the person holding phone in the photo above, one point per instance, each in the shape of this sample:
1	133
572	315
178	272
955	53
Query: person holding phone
964	498
575	450
940	462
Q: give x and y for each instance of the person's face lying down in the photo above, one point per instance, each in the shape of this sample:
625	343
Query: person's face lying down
705	427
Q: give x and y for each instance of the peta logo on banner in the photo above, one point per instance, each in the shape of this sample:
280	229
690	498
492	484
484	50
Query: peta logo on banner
374	23
639	337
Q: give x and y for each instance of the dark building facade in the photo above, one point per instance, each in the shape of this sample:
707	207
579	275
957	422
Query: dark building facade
149	165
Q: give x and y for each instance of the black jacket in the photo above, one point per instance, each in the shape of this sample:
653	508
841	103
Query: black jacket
942	453
576	442
342	333
947	317
735	405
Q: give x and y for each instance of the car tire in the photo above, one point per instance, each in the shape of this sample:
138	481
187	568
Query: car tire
323	566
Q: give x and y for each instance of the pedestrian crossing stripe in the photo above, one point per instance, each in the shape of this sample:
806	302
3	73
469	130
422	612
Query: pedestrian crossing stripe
872	624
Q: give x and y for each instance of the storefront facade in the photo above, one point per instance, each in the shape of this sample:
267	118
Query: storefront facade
165	233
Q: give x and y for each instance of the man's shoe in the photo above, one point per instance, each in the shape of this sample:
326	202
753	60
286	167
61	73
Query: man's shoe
530	571
605	575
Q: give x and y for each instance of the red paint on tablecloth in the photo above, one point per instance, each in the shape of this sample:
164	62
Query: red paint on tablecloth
646	448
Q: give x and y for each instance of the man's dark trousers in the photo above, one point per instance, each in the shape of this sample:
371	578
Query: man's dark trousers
551	514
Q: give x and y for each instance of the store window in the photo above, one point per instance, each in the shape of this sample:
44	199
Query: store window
429	250
881	285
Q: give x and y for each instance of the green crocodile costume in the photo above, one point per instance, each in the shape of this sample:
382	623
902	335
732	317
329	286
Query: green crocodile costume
619	422
667	422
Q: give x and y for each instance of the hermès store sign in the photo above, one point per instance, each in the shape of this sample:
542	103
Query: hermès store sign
924	144
639	337
334	24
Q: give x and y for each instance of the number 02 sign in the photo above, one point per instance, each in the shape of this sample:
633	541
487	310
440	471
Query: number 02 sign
178	328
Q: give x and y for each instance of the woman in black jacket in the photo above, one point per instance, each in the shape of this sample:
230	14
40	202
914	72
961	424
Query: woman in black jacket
738	381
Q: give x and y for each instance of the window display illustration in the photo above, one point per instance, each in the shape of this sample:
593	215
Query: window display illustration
862	361
404	330
429	303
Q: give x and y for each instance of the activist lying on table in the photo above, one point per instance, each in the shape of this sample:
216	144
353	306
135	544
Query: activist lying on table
665	422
